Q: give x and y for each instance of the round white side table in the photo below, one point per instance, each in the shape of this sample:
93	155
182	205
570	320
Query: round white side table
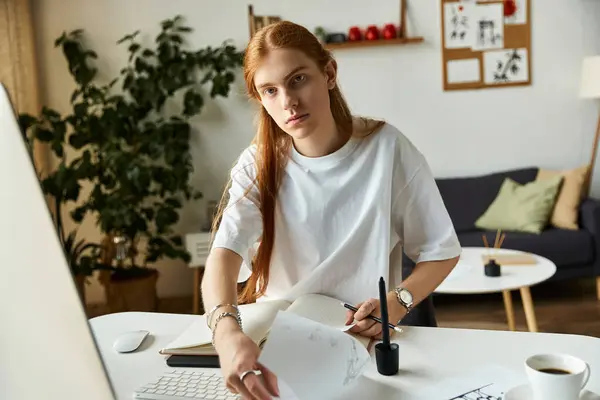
468	278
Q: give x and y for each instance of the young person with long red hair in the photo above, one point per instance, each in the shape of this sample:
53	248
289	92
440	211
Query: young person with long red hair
320	202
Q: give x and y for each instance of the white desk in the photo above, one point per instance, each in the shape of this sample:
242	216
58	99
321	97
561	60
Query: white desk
427	354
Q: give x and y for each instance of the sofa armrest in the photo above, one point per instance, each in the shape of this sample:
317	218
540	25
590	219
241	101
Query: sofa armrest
589	217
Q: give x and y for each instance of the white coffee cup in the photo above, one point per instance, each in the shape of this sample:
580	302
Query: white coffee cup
556	376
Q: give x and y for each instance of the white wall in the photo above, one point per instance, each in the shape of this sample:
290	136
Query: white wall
464	132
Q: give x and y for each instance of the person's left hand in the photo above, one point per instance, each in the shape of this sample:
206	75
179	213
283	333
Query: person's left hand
367	327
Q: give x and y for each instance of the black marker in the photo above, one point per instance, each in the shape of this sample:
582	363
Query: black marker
386	353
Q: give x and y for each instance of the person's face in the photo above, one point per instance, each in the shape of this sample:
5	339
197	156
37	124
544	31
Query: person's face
295	91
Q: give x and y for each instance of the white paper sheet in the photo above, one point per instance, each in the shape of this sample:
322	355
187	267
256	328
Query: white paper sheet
285	392
316	361
196	334
490	382
505	66
458	24
488	26
520	15
463	71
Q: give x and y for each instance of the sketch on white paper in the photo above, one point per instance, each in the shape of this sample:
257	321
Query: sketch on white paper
463	71
489	382
520	14
487	392
315	360
355	363
488	26
505	66
458	25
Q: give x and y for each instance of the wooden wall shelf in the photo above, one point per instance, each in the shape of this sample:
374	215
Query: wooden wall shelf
256	22
373	43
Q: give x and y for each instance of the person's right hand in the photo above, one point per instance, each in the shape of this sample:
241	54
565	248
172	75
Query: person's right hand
237	354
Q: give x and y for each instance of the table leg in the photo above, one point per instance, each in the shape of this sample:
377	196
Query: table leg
529	311
598	287
510	312
197	282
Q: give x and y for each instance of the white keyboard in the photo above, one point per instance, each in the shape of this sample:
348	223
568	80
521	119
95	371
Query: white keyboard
178	383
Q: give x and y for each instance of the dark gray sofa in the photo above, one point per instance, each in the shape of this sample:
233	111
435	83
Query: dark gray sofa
575	253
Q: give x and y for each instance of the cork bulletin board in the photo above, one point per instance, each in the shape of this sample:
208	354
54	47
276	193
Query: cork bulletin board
486	43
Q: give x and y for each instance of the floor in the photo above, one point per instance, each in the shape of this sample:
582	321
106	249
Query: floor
564	307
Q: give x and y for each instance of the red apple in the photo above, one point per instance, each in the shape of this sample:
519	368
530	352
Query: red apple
389	31
354	34
372	33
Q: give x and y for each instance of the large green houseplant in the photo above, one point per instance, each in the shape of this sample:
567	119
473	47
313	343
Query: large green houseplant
134	136
62	186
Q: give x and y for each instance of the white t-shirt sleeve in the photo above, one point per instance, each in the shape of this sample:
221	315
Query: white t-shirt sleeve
418	211
241	224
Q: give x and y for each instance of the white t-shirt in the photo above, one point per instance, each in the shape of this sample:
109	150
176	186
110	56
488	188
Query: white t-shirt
341	220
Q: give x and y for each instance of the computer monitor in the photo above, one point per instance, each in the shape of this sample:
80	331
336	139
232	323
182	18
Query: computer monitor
47	350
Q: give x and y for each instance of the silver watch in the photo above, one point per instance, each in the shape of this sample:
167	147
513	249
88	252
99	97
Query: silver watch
405	298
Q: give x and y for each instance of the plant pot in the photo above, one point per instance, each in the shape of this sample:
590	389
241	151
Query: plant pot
80	285
134	293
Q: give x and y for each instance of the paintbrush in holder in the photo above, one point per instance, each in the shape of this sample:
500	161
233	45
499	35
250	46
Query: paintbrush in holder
492	268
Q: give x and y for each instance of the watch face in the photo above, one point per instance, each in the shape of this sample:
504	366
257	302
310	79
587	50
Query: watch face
406	296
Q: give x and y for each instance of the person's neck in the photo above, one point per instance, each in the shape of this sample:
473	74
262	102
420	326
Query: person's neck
322	142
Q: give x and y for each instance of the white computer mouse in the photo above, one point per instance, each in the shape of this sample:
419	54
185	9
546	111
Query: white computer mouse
129	341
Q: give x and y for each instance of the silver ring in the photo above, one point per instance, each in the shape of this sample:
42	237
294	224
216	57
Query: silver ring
250	371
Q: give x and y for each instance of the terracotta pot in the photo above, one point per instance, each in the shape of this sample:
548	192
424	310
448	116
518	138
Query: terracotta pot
134	294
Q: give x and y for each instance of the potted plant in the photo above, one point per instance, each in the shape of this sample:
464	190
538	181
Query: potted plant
137	130
62	185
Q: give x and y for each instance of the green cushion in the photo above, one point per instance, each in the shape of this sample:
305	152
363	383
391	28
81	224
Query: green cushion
521	208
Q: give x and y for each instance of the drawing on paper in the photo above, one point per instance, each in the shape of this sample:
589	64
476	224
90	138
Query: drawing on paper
457	22
489	27
481	393
315	336
333	342
354	364
488	32
506	66
487	382
460	24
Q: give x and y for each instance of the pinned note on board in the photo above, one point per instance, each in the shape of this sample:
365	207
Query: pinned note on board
485	43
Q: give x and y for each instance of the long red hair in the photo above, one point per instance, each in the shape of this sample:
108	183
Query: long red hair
273	144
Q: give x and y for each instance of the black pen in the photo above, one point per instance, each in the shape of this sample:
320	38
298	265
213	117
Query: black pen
372	317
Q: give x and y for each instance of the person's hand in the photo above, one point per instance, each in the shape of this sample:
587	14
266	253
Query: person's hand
366	326
238	354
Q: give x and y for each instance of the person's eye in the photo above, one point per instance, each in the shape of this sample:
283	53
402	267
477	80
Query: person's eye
299	78
269	91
